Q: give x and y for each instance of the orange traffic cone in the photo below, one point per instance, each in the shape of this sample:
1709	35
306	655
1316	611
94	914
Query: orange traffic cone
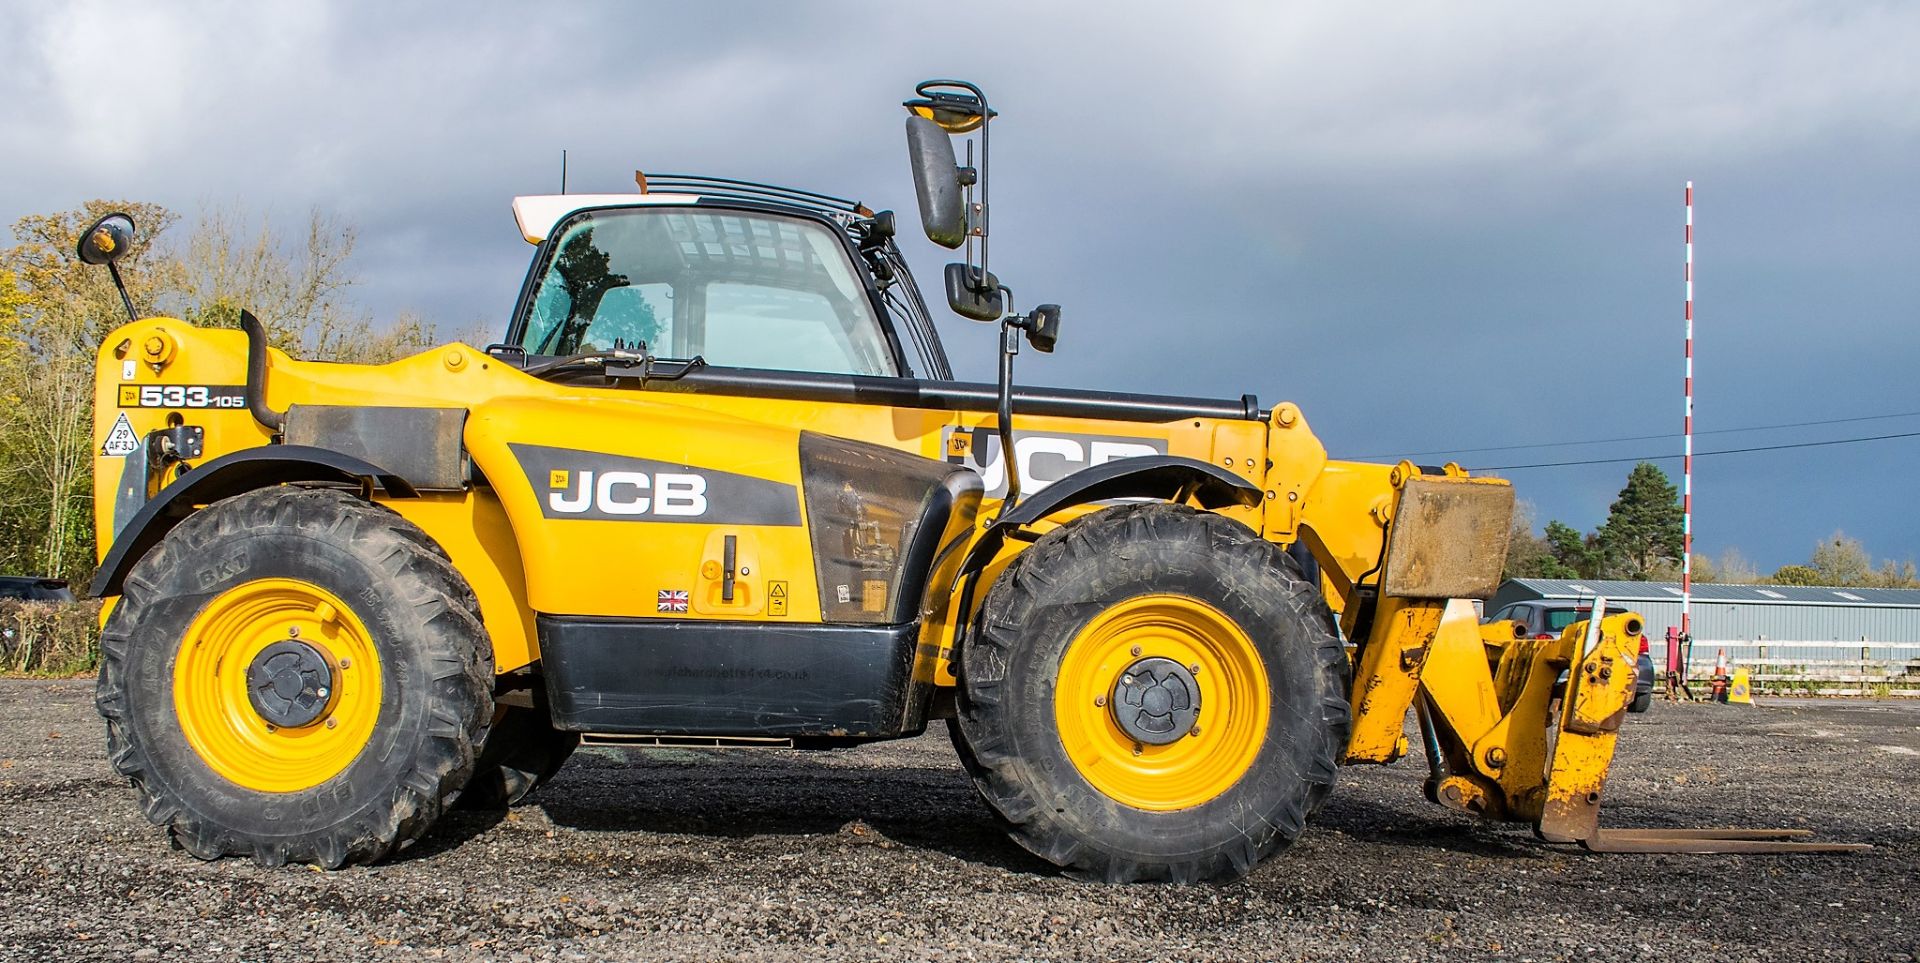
1721	678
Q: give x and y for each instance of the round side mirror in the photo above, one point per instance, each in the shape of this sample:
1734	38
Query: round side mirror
107	240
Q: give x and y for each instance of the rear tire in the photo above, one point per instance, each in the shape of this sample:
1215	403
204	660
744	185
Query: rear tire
288	590
1641	702
1149	588
523	750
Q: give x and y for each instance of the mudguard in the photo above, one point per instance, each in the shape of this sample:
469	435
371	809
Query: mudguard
1164	477
226	476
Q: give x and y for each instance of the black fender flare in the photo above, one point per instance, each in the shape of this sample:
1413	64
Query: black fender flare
1164	477
228	475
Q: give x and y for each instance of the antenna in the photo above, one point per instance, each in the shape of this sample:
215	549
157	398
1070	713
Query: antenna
563	170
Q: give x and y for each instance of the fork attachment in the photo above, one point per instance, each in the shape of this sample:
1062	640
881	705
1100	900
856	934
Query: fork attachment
1486	698
1712	841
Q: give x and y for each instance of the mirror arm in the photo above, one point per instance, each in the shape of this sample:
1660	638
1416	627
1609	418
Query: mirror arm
121	286
986	122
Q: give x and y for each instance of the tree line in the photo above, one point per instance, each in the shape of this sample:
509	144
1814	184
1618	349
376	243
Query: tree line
1642	538
55	312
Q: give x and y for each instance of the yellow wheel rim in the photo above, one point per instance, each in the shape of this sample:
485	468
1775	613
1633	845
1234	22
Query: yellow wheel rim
211	685
1230	726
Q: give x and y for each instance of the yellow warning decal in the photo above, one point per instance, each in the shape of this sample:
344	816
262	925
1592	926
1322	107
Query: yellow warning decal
776	598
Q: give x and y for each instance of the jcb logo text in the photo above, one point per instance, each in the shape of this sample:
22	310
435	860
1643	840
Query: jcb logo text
678	494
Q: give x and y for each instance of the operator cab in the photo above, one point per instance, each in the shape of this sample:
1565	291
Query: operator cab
735	275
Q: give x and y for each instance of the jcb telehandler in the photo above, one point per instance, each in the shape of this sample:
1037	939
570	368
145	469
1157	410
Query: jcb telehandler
717	487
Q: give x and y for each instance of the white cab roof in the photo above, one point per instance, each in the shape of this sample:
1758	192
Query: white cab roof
538	213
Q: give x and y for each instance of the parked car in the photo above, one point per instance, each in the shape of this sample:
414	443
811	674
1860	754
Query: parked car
1547	618
29	588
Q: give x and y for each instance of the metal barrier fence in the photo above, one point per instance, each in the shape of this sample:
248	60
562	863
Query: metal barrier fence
1815	668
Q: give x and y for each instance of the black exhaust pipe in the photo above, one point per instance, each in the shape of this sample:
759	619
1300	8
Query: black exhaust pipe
257	374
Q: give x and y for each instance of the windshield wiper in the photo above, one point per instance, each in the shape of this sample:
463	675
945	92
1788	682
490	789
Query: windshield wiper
623	362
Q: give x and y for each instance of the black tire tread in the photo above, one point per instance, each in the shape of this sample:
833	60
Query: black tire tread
417	571
983	741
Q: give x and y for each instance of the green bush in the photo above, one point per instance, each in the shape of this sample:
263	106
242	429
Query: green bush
49	638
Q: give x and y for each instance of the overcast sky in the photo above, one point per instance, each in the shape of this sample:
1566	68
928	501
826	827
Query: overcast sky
1434	226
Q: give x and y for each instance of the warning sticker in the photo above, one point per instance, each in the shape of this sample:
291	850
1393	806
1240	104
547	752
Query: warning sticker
776	598
121	441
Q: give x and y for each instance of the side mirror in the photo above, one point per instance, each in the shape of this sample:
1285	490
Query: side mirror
1043	327
972	295
936	179
107	240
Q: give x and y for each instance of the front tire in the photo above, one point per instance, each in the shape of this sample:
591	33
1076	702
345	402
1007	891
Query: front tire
1153	692
294	675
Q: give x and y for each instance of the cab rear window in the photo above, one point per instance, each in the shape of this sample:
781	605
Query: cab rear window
1559	619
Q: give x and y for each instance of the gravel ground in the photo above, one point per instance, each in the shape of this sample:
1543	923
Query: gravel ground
884	852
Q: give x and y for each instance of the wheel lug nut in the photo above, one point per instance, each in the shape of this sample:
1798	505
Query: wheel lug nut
1136	748
346	663
1194	731
332	722
1136	650
1099	700
272	728
1194	668
293	631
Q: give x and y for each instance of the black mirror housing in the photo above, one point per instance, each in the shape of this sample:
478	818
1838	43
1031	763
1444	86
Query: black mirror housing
936	180
106	240
1043	328
971	295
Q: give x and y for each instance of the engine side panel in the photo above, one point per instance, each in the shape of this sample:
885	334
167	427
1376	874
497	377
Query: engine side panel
621	507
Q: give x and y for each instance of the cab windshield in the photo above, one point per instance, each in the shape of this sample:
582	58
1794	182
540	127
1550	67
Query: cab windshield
739	289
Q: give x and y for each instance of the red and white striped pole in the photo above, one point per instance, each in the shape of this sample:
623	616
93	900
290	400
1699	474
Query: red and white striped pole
1686	459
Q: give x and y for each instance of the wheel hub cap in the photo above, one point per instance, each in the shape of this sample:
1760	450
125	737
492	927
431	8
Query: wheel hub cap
1156	701
289	683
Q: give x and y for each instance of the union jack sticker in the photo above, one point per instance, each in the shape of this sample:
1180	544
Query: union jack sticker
673	600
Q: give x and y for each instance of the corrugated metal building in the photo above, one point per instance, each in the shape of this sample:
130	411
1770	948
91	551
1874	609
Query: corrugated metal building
1858	617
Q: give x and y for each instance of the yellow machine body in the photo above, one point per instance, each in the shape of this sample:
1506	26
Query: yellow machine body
521	562
607	508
